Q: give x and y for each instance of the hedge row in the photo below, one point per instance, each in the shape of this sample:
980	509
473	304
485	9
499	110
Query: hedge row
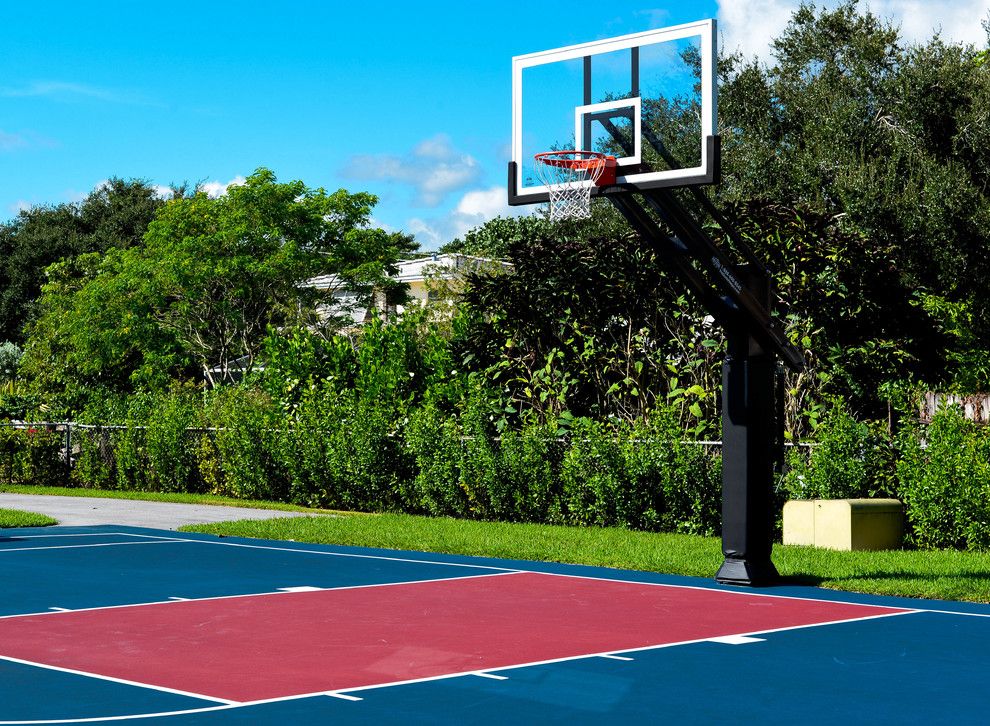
347	452
939	470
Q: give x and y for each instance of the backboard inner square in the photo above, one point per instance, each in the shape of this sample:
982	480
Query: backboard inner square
585	118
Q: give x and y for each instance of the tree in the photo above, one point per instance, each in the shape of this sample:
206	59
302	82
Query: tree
586	324
212	276
890	142
114	215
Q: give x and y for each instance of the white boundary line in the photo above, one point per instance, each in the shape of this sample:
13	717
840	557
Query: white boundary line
486	567
111	679
276	593
85	546
603	654
492	673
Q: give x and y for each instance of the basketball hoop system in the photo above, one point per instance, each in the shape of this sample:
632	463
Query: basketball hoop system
569	177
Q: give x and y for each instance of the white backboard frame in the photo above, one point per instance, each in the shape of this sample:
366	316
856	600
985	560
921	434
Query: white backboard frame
706	30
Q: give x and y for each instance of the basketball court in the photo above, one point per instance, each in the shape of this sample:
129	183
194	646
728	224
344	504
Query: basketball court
111	624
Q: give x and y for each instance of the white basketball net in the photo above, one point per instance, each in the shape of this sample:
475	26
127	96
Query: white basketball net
569	176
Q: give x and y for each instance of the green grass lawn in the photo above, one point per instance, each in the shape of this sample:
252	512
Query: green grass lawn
17	518
947	575
940	575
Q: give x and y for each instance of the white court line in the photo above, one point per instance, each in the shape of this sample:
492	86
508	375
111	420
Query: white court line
746	593
503	569
481	567
566	574
276	593
639	649
490	676
85	546
340	554
16	537
615	657
347	693
736	640
123	681
343	696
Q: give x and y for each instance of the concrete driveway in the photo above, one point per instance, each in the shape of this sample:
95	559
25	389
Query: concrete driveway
84	511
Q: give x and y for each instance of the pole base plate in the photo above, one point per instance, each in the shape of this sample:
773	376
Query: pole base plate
747	572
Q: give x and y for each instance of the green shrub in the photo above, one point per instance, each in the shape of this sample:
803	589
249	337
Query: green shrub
850	459
32	456
594	477
529	463
96	458
433	441
944	482
676	484
240	454
169	441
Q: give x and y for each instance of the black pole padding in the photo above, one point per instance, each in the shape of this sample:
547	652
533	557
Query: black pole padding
748	456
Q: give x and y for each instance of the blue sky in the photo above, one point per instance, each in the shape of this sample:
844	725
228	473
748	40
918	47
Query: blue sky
410	101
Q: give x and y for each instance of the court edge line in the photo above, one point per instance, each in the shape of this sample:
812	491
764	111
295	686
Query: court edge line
172	601
122	681
638	649
564	574
481	567
446	676
81	534
98	544
332	554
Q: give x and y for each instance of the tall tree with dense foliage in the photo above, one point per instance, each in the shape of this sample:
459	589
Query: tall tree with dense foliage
211	277
888	143
115	215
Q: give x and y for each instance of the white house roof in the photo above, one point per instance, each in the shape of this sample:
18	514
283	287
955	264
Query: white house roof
444	266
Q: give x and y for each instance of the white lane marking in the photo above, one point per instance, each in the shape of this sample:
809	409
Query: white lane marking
84	546
111	679
488	567
324	553
300	588
640	649
347	692
736	640
747	593
343	696
172	601
490	676
615	657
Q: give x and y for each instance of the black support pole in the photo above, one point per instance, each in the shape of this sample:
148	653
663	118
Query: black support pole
748	438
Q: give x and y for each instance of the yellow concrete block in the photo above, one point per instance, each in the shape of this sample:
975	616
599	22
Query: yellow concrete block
845	524
799	522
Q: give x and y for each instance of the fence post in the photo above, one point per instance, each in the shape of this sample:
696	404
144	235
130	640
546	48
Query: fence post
68	451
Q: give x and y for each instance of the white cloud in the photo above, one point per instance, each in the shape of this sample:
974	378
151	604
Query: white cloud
216	189
434	168
375	223
15	141
162	191
21	205
472	210
65	91
11	142
430	236
750	25
958	20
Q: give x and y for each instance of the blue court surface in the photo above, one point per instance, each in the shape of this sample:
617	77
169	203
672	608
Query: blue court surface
116	624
